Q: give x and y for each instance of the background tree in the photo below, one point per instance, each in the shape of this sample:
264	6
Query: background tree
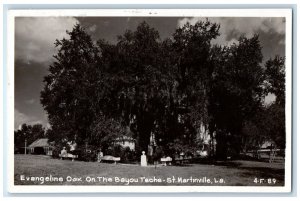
270	119
237	90
275	73
275	78
28	132
70	86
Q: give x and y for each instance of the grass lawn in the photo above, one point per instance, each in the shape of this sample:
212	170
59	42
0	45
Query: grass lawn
234	173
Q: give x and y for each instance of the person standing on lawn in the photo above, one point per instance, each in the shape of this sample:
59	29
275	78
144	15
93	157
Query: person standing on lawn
63	153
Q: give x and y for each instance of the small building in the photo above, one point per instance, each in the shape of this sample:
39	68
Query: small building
268	144
41	146
125	141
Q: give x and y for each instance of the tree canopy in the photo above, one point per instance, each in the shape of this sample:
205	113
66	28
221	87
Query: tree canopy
96	90
30	133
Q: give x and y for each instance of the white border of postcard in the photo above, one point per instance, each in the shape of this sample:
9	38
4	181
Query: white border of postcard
287	13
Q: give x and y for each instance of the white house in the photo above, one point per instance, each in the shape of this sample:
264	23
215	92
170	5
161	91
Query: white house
125	141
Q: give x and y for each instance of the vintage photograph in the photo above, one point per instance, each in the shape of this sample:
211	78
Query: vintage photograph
152	99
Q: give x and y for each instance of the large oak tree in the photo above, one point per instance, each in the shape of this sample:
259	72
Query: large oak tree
95	91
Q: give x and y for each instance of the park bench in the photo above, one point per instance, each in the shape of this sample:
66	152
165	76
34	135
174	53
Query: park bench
166	161
182	160
68	156
110	159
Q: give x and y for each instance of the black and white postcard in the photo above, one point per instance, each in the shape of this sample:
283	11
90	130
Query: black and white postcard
144	100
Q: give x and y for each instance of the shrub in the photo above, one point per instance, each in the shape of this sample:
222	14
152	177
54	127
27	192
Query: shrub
118	151
88	153
128	156
56	152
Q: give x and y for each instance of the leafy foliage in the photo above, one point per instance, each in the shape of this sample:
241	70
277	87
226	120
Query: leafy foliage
95	90
268	124
275	78
237	90
30	133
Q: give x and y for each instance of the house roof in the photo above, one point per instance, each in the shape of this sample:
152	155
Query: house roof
267	144
42	142
124	138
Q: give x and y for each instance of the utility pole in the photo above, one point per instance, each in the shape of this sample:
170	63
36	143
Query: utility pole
86	145
25	146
